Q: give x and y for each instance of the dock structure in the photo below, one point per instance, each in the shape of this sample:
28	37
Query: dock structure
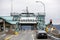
22	21
7	24
30	20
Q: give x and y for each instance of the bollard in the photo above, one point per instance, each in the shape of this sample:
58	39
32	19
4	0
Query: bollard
16	33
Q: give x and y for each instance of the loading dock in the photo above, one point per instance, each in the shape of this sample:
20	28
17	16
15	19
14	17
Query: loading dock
28	26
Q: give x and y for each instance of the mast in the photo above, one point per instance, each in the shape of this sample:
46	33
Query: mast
27	11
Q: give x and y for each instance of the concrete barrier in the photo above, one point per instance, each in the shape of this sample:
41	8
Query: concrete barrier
2	36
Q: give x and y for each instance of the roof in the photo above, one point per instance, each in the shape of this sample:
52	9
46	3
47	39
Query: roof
12	22
7	17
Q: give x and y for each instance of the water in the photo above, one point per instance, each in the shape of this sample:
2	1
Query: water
57	26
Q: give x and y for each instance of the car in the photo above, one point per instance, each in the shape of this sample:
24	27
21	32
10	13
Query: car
41	34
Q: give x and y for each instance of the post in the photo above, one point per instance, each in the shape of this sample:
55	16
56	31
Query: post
10	28
4	25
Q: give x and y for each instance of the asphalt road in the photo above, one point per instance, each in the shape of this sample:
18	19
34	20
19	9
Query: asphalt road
26	35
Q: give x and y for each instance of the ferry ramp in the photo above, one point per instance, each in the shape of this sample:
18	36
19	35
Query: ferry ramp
26	35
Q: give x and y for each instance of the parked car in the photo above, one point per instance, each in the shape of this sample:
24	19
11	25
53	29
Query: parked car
41	34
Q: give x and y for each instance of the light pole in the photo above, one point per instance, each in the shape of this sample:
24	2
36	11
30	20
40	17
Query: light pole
42	4
39	26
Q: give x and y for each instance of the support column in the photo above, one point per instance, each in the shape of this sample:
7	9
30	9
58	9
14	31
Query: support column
34	26
4	25
10	28
20	27
16	29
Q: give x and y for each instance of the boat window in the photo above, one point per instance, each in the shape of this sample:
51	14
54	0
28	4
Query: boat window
27	15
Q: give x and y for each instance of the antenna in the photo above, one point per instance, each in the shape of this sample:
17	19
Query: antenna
27	9
27	12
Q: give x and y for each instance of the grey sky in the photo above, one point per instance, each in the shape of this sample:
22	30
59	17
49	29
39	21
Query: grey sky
52	8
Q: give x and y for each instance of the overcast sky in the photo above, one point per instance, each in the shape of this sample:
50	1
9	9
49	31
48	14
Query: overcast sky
52	8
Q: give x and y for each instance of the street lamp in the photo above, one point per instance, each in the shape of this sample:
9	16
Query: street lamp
42	4
39	26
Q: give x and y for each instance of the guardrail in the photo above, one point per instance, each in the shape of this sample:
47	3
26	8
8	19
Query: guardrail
53	37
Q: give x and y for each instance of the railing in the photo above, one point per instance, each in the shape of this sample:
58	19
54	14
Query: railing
12	14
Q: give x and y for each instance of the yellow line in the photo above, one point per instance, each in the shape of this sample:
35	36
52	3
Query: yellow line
8	38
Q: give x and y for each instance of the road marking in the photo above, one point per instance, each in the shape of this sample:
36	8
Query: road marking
8	38
22	38
32	36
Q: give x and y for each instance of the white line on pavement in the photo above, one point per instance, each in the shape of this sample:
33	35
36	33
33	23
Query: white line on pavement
32	36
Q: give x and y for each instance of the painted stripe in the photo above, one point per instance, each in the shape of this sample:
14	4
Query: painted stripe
7	38
32	36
